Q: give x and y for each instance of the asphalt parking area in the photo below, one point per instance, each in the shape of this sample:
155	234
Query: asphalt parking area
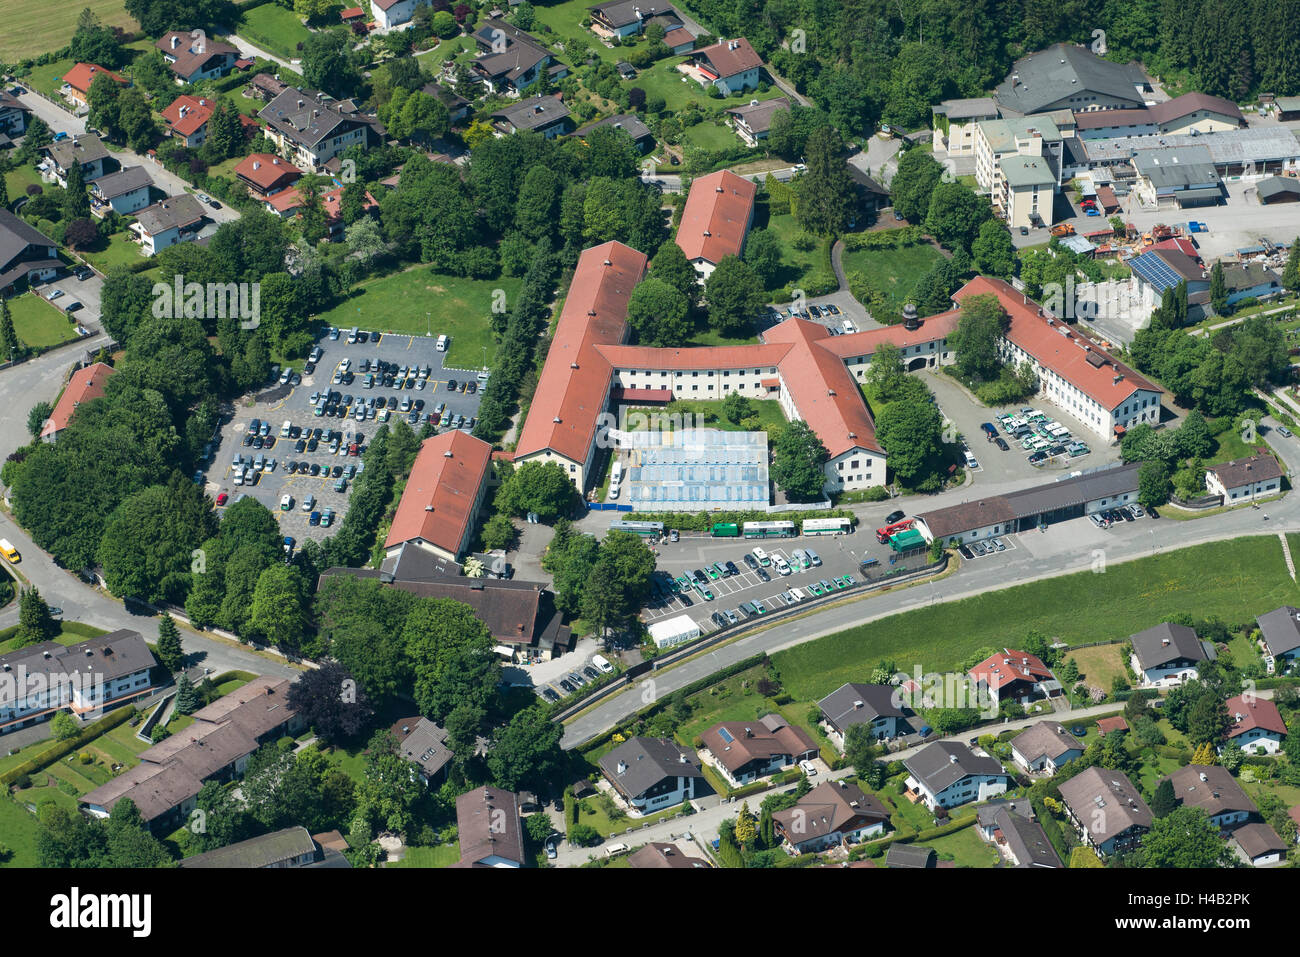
291	405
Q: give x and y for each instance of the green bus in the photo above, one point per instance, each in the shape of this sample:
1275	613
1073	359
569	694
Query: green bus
726	530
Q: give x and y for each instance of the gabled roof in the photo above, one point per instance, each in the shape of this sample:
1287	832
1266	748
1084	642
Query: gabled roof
1254	468
944	763
85	384
909	855
1026	840
124	181
1211	788
268	850
82	75
664	856
758	114
533	113
258	707
304	116
190	54
422	742
630	123
85	149
620	13
439	500
736	743
851	704
1099	789
716	216
1280	629
1040	79
638	764
575	380
1276	186
170	213
1009	666
1059	349
690	358
1046	739
265	170
1247	715
729	57
488	825
155	789
1258	839
1166	642
187	114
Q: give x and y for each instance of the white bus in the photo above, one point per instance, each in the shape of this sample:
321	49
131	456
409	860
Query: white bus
827	526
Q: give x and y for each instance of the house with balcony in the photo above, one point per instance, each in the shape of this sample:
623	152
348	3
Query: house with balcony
753	121
1279	632
1254	724
949	774
1015	676
78	81
1215	791
1106	810
651	774
194	58
312	128
744	751
510	61
176	219
1167	655
87	150
1045	747
833	814
546	115
125	192
13	115
876	706
732	66
25	252
187	119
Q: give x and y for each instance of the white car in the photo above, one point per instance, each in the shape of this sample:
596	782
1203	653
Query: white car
53	294
602	664
761	556
781	564
308	503
808	767
345	365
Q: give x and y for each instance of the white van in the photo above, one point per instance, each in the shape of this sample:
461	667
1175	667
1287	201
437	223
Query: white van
616	849
284	429
798	594
352	335
812	557
441	344
615	478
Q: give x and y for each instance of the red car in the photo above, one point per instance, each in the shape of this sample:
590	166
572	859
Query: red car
221	499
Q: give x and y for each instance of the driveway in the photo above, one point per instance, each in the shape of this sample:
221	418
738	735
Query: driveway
250	51
85	291
38	380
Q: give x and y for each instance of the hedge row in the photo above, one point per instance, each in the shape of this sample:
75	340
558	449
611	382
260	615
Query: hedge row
1277	681
704	521
61	748
885	238
778	780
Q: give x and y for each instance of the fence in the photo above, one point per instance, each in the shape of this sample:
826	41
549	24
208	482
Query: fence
1202	502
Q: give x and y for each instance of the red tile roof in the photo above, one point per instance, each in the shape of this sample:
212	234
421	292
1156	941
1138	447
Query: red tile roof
1178	244
825	393
679	37
576	377
187	114
729	57
86	384
437	504
333	203
1061	353
266	170
1106	725
351	13
82	75
716	216
285	200
866	343
1009	666
1247	715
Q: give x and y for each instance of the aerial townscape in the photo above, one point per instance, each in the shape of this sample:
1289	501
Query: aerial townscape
851	435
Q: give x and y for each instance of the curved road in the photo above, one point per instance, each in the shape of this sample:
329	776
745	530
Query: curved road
1064	549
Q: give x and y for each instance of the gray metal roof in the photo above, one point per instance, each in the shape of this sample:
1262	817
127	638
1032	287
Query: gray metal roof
1229	147
16	235
122	182
1181	167
909	855
1277	186
1024	171
1089	487
1066	70
974	108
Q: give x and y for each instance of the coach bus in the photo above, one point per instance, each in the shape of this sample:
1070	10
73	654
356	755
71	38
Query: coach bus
827	526
769	529
644	529
726	530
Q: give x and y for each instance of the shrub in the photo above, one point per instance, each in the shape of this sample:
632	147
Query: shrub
584	835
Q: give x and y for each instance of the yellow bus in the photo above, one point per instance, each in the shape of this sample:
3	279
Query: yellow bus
8	551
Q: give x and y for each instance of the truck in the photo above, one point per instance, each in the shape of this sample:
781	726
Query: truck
1062	229
883	534
9	552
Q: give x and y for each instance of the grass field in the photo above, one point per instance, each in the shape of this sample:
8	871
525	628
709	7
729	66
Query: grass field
63	638
1232	580
711	135
38	323
444	855
19	827
433	59
121	250
965	848
796	264
274	28
1099	666
459	308
40	27
895	272
769	414
17	180
663	79
48	79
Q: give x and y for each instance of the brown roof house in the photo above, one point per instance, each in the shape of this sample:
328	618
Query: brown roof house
664	856
439	507
715	220
1046	746
834	813
653	773
194	58
1260	844
1244	479
745	751
1106	809
1255	724
424	744
1215	791
731	65
491	833
84	386
1010	826
1167	654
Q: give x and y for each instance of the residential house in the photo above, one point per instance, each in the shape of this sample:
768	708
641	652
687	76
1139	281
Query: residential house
1279	630
664	856
653	773
87	150
877	706
510	61
332	203
1113	725
312	128
125	192
187	119
745	751
489	828
730	65
440	504
546	115
1215	791
1167	654
869	196
1255	724
1106	809
833	814
716	219
13	115
1260	845
457	106
1191	112
78	80
1045	746
1012	828
266	174
176	219
753	121
351	15
86	678
393	14
1016	676
627	18
1244	479
85	385
424	744
194	58
1069	77
948	774
288	847
265	87
1250	280
25	252
630	124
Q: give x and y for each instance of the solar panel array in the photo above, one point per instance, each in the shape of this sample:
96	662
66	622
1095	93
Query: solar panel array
698	470
1158	273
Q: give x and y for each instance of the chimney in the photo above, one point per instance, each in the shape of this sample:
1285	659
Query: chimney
176	41
1204	776
1164	642
952	759
749	732
256	165
300	104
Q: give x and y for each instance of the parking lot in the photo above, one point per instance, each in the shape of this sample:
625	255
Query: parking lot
74	290
288	459
840	555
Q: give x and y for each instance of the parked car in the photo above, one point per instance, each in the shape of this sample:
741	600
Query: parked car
1283	430
893	517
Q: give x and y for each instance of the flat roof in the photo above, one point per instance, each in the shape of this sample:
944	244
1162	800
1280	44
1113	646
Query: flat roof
697	469
1228	147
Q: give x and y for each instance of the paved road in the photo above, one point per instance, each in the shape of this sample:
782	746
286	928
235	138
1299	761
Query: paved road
250	51
1065	548
38	380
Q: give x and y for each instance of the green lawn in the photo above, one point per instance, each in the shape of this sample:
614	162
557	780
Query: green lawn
895	272
1228	442
706	415
965	848
565	19
711	135
20	828
418	299
48	78
274	28
606	826
18	179
1099	666
680	91
22	754
1232	580
40	28
431	61
64	637
444	855
38	323
121	250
